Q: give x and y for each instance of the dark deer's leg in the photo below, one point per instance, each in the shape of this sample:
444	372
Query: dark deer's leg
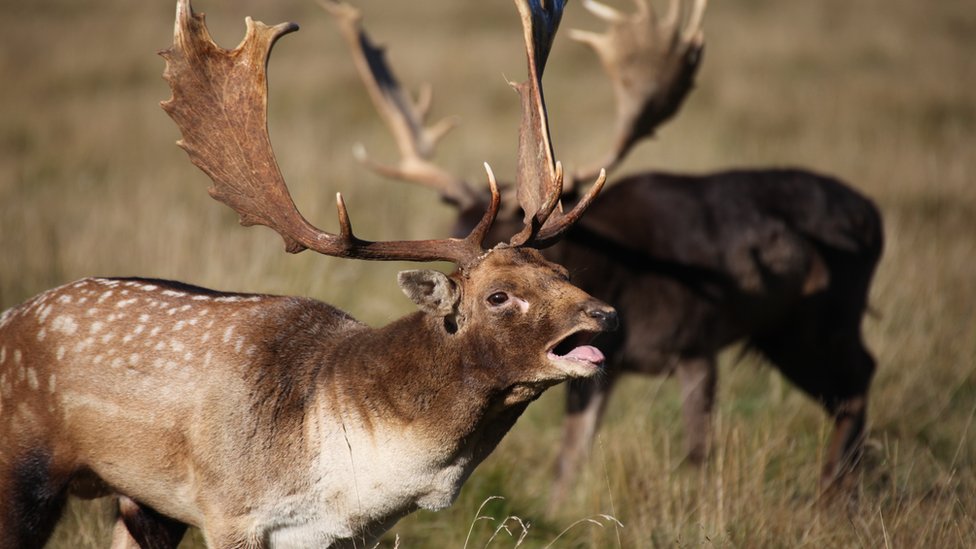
586	400
846	442
141	527
697	377
849	412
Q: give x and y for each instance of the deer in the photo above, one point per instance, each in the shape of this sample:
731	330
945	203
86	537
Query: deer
275	421
777	259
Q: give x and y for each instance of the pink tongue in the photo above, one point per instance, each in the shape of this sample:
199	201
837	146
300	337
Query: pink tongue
587	353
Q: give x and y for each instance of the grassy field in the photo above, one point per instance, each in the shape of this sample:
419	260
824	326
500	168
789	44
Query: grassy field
878	92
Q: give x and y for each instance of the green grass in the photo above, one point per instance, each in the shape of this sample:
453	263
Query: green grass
877	92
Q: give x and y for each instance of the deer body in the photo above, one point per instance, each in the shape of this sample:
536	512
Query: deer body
265	419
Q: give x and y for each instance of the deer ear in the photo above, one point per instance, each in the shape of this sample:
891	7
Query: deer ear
432	291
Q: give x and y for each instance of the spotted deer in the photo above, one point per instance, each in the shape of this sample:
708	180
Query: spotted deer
779	259
271	421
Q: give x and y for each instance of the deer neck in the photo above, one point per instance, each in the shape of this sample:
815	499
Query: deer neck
413	409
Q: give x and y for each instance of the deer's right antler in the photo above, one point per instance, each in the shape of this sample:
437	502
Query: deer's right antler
220	105
652	64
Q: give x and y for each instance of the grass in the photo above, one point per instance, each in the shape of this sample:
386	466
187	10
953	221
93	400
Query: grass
877	92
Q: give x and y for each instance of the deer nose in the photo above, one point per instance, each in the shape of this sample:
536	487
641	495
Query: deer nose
605	315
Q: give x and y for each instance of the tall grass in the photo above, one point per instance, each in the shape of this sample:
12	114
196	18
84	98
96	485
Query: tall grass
879	92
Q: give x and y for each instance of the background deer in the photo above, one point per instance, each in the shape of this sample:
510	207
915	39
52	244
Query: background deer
778	259
283	421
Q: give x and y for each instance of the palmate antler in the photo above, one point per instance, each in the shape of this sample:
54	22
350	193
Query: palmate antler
220	105
405	117
652	64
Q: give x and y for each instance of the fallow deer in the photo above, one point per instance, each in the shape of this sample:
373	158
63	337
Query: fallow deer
273	421
780	259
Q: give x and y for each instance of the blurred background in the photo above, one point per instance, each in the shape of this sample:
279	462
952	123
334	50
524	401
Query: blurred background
876	92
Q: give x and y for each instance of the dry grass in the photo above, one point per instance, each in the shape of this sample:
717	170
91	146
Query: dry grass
878	92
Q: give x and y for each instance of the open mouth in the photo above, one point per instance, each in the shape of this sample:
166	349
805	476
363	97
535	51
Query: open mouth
574	355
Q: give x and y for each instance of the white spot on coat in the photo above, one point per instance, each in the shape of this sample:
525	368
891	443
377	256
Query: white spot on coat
43	312
32	378
65	324
41	334
61	352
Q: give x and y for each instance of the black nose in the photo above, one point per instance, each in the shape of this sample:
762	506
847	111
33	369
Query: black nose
606	316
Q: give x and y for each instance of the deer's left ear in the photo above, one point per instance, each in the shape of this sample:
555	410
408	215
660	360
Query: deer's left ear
432	291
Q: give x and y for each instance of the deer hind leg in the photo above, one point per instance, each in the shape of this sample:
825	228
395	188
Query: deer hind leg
31	500
586	400
838	375
697	377
139	527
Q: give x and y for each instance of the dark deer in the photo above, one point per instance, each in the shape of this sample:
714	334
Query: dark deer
282	421
780	259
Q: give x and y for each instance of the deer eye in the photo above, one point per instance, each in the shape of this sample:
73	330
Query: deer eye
497	298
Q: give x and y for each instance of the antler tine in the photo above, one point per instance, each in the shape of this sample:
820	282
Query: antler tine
220	105
652	65
404	117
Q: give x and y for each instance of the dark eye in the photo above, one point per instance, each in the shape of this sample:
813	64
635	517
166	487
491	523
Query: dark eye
497	298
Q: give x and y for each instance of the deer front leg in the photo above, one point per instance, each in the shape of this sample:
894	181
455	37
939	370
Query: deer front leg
846	442
141	527
586	400
697	377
